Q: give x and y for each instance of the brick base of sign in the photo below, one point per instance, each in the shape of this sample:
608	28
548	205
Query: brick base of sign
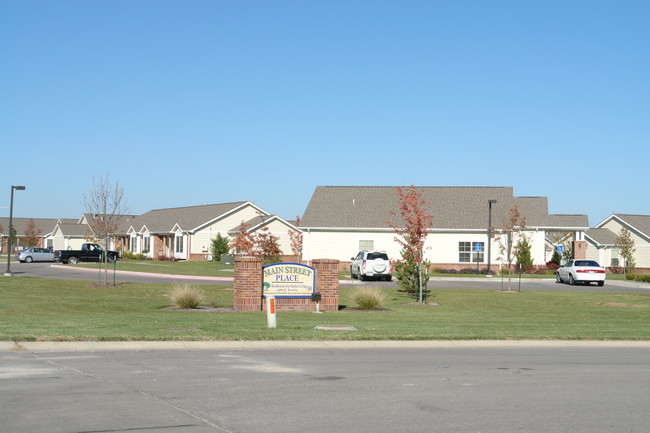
248	287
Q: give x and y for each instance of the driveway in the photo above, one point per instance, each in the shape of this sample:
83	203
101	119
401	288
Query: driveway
51	270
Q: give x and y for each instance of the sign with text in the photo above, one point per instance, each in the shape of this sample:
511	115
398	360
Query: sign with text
288	280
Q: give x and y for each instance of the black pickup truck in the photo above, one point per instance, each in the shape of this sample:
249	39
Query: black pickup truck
87	253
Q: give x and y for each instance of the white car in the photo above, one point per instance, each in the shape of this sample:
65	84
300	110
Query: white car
581	271
29	255
371	264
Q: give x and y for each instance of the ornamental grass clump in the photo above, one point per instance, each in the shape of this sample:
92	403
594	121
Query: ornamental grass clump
186	296
369	298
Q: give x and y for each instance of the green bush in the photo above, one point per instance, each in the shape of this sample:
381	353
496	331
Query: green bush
408	277
630	276
186	296
643	278
127	255
218	246
369	298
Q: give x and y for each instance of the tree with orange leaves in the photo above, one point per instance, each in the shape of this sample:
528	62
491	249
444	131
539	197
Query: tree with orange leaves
295	235
243	242
32	234
412	230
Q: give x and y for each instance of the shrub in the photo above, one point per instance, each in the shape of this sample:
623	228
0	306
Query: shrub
524	257
166	259
642	277
630	276
369	298
472	271
408	277
552	266
131	256
218	246
186	296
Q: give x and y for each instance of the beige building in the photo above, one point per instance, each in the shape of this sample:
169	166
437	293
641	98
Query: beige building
601	240
341	220
185	233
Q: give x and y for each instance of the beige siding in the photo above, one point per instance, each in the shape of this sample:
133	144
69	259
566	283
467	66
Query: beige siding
202	238
440	247
642	253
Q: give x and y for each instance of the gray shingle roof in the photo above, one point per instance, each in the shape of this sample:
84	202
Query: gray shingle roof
453	208
639	222
602	236
46	225
189	218
75	229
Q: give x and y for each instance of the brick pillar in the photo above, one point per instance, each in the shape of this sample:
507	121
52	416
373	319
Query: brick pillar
248	284
579	249
327	283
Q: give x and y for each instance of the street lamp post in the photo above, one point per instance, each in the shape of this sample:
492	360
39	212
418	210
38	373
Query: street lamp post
489	233
10	238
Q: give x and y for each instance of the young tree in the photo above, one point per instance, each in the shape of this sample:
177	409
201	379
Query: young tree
107	203
524	258
267	246
412	230
32	234
243	242
218	246
295	236
556	258
509	239
625	245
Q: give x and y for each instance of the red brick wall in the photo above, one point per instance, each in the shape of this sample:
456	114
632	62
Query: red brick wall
579	249
248	284
248	287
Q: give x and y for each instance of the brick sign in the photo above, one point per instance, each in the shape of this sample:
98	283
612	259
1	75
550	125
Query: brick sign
288	280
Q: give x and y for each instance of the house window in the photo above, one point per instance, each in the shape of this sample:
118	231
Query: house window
614	263
146	243
133	247
467	252
368	245
179	244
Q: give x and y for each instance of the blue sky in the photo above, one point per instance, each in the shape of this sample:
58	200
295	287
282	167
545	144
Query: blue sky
195	102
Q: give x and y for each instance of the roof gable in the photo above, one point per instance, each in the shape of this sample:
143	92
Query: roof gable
639	224
188	218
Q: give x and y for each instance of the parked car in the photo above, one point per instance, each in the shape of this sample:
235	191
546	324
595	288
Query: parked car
87	253
371	264
581	271
29	255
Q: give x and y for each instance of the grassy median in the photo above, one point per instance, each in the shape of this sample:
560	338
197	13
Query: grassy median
57	310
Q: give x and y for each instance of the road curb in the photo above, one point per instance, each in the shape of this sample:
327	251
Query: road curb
90	346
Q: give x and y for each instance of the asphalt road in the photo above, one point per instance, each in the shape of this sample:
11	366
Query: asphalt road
556	387
49	270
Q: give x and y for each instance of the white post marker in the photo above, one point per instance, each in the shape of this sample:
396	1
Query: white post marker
270	312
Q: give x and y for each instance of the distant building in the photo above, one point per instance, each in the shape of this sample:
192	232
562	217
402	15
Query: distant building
341	220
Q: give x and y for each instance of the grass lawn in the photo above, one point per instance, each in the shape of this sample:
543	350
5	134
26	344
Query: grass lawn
57	310
206	269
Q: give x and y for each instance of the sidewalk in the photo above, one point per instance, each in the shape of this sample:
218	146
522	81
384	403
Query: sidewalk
156	275
90	346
